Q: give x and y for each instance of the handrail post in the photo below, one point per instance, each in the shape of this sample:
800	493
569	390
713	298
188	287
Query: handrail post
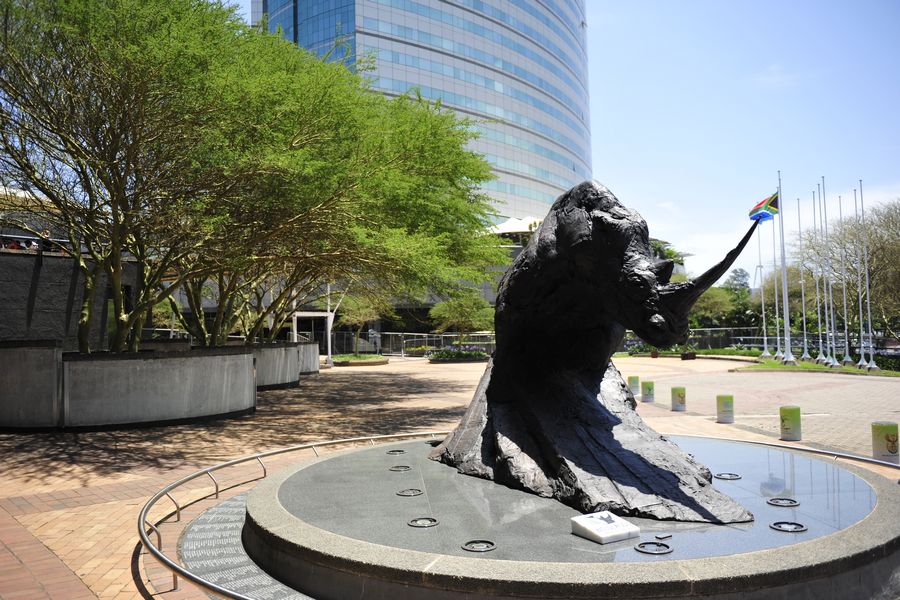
215	482
174	567
156	531
177	507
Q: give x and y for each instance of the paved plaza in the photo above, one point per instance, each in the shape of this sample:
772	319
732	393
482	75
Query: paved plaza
69	501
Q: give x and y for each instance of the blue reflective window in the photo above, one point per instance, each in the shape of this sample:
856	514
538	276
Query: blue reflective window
480	56
458	100
518	190
579	59
282	16
577	10
424	64
528	170
538	13
577	167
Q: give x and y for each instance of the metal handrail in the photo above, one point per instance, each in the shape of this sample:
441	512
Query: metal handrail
177	570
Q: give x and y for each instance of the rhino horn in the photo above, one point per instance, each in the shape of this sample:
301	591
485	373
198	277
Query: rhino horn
680	297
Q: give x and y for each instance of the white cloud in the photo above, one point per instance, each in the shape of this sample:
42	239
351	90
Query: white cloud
774	76
668	206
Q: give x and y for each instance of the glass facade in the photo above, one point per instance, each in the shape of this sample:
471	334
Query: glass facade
516	67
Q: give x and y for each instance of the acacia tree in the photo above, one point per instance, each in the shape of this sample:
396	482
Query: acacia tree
370	192
357	310
110	121
168	136
882	232
465	312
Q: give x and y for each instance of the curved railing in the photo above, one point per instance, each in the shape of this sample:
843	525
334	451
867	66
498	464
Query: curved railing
145	525
179	571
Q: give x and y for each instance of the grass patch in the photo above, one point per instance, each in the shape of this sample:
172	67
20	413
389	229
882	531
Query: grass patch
729	352
346	357
811	366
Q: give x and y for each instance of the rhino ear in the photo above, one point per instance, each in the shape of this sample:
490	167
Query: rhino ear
663	270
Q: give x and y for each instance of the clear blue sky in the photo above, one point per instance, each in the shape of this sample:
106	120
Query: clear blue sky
696	105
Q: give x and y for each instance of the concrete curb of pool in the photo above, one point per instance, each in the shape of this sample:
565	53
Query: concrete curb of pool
855	562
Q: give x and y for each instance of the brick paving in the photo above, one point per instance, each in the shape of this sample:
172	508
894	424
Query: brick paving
69	501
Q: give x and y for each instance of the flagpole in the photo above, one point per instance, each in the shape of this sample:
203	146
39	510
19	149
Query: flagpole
847	358
778	353
788	356
862	209
816	272
822	265
805	355
834	361
762	294
862	324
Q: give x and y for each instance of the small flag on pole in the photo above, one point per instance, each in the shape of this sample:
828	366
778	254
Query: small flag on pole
766	209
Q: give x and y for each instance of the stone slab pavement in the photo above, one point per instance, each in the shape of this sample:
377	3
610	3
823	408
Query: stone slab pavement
69	501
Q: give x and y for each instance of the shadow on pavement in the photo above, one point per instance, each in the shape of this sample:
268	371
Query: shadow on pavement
328	406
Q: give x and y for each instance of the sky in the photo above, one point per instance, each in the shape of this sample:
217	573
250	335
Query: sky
696	106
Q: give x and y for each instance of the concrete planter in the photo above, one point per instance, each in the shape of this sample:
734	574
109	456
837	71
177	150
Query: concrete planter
40	387
688	356
277	365
119	389
309	358
280	364
30	384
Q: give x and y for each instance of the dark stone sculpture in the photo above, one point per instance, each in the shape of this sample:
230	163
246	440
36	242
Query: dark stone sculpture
552	415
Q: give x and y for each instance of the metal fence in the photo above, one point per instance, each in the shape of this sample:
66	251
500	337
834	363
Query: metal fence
417	344
399	343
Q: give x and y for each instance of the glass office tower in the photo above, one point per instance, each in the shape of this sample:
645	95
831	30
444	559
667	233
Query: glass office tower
518	67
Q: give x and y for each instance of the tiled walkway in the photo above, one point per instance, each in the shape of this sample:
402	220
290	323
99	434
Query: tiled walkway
69	501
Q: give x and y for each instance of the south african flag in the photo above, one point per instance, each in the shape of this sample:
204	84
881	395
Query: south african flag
766	209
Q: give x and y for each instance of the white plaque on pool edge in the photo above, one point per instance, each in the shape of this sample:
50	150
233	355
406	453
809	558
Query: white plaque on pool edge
604	527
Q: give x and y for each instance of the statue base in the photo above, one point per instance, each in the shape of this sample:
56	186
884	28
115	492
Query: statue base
386	522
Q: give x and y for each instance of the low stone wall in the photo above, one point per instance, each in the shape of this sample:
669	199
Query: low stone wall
280	364
277	365
40	387
29	384
309	358
124	388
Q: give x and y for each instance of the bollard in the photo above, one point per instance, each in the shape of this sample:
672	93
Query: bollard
790	423
884	442
725	409
679	397
634	384
647	389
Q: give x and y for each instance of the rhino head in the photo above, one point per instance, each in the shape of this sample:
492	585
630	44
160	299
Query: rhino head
587	275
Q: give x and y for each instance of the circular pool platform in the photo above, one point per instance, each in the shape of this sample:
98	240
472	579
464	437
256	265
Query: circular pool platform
386	522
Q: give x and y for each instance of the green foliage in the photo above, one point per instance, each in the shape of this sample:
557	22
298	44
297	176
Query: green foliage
356	311
225	161
881	235
729	352
457	354
726	306
738	279
465	312
118	139
356	357
712	308
664	250
811	366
